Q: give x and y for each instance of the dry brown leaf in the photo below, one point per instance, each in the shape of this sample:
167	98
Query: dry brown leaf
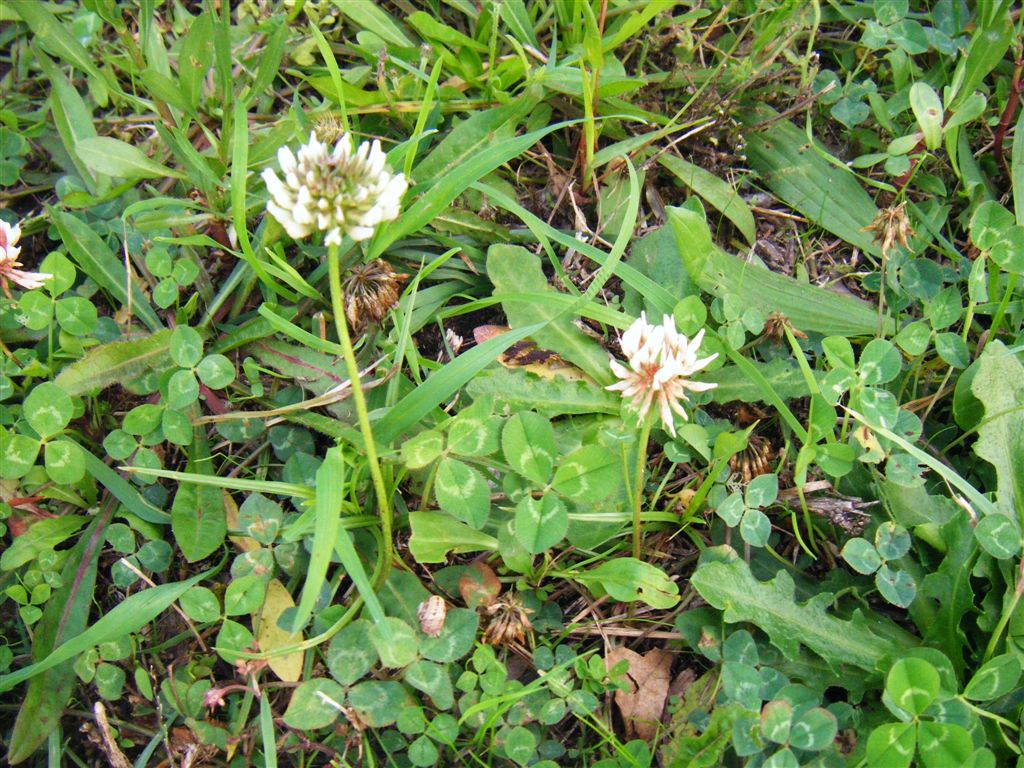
648	678
270	637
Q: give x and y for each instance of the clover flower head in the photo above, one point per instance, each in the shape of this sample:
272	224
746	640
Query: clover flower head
339	191
661	361
9	272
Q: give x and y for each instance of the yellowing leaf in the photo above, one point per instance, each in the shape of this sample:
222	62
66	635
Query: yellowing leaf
270	637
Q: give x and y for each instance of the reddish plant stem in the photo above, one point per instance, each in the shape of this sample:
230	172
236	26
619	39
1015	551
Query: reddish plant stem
1016	86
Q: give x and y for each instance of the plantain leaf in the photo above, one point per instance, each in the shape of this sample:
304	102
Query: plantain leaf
825	192
66	615
717	192
115	362
808	307
514	270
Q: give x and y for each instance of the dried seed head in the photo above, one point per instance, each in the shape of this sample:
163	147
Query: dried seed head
371	290
891	226
509	621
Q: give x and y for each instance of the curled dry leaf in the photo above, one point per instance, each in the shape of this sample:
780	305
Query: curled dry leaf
648	678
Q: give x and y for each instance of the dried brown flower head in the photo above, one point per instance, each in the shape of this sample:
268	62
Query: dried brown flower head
371	290
754	460
509	621
777	323
891	226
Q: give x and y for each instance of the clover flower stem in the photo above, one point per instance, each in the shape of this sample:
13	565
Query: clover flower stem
641	472
359	400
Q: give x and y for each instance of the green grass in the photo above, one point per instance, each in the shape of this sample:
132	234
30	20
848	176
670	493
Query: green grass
215	548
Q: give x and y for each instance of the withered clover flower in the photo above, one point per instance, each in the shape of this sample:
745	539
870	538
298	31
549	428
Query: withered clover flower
338	191
661	361
371	290
9	272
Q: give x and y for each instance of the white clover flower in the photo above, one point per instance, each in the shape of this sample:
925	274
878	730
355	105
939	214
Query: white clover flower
337	191
661	360
9	252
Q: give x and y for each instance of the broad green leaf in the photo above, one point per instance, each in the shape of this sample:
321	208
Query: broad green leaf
378	702
588	474
718	193
111	157
892	745
65	616
70	114
950	585
433	680
807	307
47	409
127	616
927	108
515	270
315	704
913	684
995	678
943	744
434	535
825	192
999	385
421	450
814	730
462	492
540	523
351	655
457	638
771	605
630	580
198	519
395	641
528	442
114	363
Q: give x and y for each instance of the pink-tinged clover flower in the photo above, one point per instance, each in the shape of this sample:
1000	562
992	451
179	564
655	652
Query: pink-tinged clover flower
338	191
9	272
660	363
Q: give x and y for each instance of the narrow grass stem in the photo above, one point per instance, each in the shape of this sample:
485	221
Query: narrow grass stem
359	400
638	488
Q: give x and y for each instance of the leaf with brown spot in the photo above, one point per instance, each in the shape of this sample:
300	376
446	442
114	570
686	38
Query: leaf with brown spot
479	585
648	678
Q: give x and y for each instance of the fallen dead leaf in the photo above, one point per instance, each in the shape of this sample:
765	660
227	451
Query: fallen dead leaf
270	637
648	678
